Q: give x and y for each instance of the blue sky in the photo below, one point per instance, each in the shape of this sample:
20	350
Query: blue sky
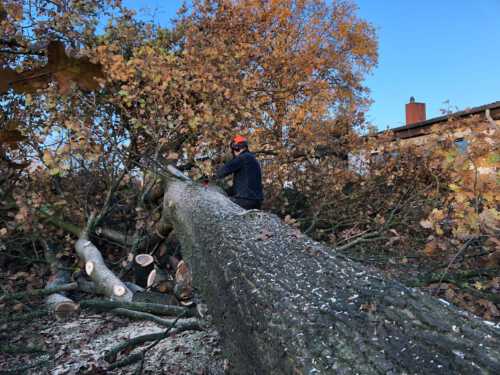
437	51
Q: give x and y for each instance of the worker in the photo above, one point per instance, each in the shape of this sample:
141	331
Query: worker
247	176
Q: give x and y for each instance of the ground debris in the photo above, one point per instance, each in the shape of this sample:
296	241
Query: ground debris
78	346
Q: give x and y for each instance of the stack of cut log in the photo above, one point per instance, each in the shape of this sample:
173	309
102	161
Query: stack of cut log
131	300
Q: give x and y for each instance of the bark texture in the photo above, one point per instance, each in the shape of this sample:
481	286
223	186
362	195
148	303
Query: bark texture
288	305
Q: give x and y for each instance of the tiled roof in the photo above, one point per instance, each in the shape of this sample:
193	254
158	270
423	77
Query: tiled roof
418	128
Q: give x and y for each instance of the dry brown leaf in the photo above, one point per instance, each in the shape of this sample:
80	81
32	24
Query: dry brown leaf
450	294
11	136
368	307
494	310
430	248
264	235
60	67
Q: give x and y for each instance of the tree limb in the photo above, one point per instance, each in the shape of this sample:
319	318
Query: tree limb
192	323
105	280
153	308
39	292
139	340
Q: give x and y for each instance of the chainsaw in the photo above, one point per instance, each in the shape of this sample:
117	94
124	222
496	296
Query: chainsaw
181	176
177	173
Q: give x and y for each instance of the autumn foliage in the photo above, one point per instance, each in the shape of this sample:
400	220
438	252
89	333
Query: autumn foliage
426	211
95	102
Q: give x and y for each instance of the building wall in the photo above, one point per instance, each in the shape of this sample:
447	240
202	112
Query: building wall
461	137
360	161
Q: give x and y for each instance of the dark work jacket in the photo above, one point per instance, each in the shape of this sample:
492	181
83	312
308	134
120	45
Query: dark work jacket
247	179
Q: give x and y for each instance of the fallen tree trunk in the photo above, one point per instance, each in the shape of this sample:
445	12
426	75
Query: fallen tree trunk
288	305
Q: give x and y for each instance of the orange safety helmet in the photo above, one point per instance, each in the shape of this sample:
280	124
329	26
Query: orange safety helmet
239	142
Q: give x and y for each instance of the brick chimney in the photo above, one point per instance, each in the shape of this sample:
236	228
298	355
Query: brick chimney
415	112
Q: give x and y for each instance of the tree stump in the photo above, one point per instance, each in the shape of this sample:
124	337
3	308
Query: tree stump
143	265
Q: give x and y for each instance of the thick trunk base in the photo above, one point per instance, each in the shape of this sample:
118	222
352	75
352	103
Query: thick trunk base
288	305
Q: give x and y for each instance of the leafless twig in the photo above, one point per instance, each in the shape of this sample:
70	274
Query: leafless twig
460	251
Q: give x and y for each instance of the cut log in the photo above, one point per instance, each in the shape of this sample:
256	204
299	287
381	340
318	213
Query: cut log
88	286
59	303
151	279
89	267
105	280
160	280
285	304
183	289
143	265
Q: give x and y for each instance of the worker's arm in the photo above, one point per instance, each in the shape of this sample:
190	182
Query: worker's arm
230	167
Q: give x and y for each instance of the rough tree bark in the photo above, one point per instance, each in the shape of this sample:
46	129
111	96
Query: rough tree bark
288	305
